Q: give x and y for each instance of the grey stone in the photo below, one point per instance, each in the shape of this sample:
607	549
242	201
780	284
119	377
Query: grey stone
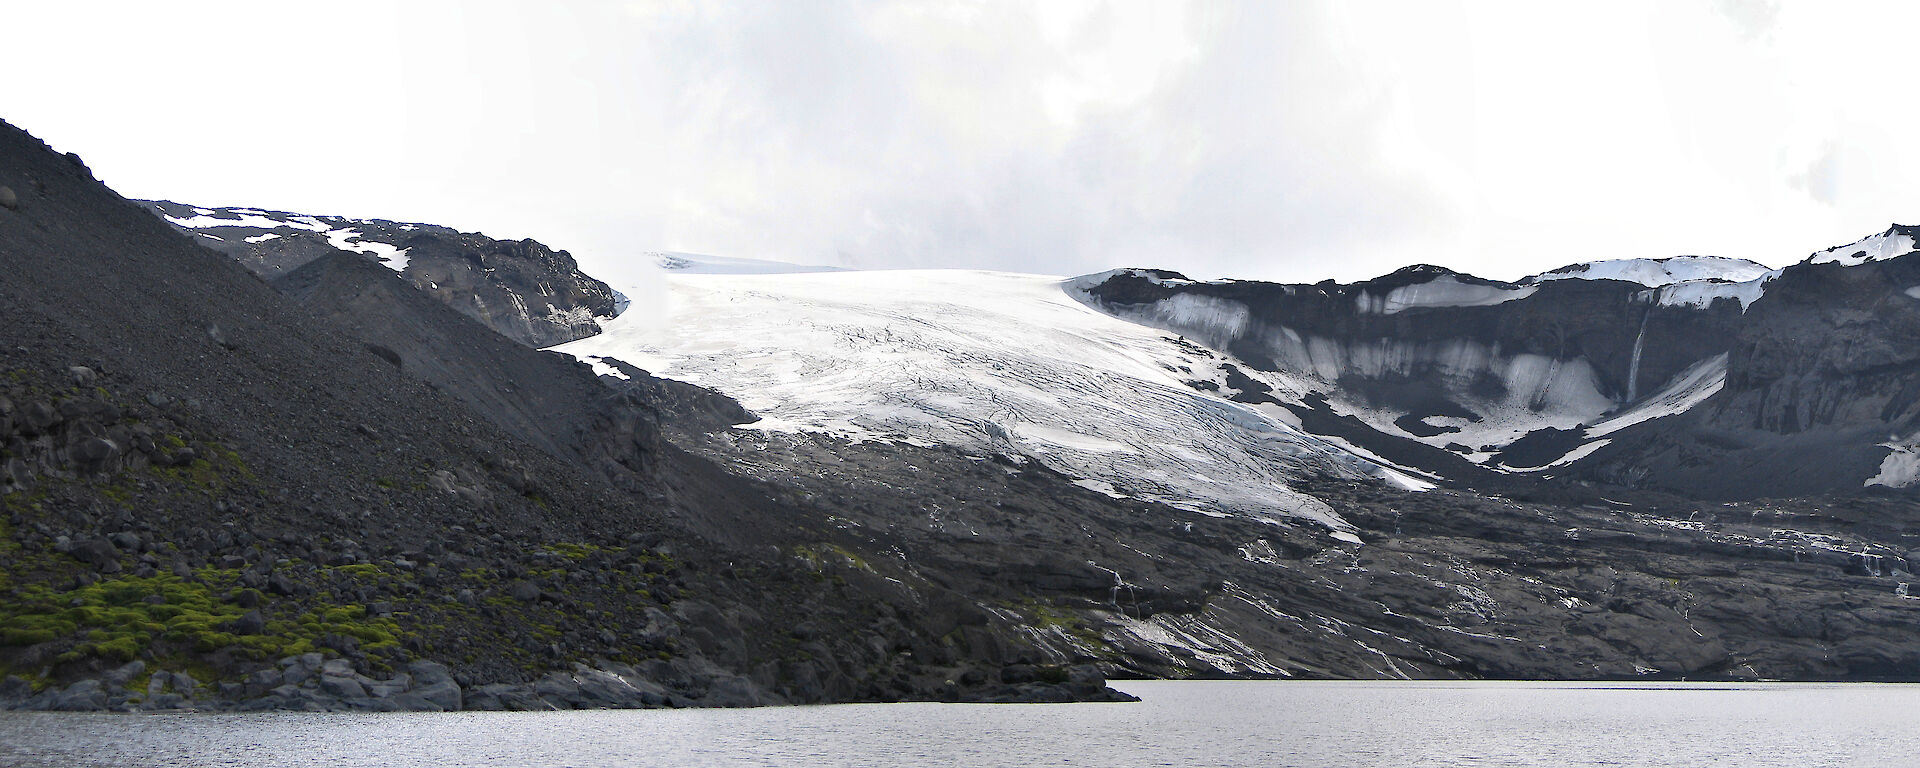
414	702
444	693
8	199
343	687
98	553
249	623
118	678
428	672
184	684
557	686
164	701
94	453
14	690
524	591
264	680
83	696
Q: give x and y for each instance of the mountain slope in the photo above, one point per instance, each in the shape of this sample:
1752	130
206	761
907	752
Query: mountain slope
521	289
242	491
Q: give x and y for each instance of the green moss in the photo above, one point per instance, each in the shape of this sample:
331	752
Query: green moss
118	619
825	553
572	551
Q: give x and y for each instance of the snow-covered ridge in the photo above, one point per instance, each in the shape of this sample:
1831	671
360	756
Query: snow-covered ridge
340	233
1896	241
1654	273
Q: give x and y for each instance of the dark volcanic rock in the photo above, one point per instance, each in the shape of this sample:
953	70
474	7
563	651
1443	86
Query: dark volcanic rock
521	289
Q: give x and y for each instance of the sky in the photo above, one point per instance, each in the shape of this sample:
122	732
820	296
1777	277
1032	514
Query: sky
1288	141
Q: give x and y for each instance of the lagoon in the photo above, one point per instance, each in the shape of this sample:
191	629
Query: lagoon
1186	723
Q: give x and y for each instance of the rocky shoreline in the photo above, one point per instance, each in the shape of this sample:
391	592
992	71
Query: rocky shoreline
311	683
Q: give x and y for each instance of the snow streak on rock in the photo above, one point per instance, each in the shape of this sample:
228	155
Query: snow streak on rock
1654	273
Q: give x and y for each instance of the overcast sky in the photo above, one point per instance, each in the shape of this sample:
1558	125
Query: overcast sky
1292	141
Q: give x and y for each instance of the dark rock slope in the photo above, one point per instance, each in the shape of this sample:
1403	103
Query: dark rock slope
522	289
217	495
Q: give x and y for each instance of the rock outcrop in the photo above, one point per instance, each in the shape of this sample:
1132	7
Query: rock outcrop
520	288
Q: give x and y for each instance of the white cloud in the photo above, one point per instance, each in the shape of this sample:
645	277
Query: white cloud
1282	140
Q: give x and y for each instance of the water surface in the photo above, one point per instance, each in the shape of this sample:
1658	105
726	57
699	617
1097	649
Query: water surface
1229	724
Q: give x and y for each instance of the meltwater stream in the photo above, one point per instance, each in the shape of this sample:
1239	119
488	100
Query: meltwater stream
1265	724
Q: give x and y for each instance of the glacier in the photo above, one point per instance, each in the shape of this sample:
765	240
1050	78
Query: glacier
989	362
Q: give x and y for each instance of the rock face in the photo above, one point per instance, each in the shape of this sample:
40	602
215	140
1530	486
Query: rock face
1826	365
521	289
1702	387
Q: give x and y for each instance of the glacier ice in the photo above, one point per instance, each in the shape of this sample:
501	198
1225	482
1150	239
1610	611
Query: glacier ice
991	363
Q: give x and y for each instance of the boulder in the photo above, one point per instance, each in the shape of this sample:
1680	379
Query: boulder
343	687
99	553
524	591
118	678
14	690
249	623
83	696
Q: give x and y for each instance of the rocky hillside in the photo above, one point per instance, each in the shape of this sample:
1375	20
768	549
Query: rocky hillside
522	289
217	495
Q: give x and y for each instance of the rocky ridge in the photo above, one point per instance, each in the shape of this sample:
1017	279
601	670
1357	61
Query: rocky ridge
520	288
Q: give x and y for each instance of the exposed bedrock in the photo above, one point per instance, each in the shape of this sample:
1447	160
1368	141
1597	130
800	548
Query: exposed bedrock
1821	359
520	288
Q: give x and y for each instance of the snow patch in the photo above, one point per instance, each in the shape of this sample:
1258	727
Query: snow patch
1701	294
262	238
348	239
1654	273
1901	468
1885	245
1685	390
252	219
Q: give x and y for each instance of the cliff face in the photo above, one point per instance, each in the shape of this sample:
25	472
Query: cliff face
1822	393
1706	388
521	289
